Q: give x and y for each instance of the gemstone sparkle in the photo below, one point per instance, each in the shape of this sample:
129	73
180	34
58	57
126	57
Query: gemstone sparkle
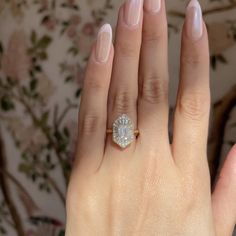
123	131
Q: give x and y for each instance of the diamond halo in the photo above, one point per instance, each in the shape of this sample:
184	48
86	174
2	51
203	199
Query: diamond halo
123	131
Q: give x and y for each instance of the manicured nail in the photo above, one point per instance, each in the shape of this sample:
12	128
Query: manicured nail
133	9
194	20
153	5
104	42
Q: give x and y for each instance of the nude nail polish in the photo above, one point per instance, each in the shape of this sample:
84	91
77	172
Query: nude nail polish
132	12
104	42
194	20
153	6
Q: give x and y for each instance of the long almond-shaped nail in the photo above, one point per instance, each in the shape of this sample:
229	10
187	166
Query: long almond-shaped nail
132	13
194	20
103	45
153	6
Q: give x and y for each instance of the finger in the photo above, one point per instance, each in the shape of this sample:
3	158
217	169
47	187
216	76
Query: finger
93	108
153	78
224	195
193	102
124	85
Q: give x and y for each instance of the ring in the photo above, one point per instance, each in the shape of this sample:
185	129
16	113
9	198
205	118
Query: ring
122	131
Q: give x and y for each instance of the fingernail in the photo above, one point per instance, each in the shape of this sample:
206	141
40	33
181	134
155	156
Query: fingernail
153	5
104	42
132	14
194	20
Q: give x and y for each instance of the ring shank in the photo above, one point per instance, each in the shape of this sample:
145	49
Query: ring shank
110	131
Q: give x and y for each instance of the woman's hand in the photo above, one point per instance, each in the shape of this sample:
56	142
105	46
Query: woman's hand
151	187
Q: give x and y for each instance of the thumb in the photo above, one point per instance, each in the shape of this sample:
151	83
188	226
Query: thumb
224	197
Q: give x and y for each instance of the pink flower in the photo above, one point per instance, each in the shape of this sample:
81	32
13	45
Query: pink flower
75	19
44	4
71	31
30	138
30	232
16	62
89	29
71	2
45	87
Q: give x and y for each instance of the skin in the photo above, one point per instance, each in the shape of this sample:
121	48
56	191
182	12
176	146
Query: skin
152	187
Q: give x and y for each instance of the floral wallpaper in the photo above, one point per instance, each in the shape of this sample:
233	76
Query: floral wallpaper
44	46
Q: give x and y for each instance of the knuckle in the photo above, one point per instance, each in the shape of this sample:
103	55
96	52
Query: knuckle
95	83
91	123
151	35
126	49
191	59
73	205
124	102
154	89
194	106
192	199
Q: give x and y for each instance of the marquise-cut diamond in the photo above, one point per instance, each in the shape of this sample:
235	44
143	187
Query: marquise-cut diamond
123	131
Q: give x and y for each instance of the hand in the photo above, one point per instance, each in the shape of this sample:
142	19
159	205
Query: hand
151	187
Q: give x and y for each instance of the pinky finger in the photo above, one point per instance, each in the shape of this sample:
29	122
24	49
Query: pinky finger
224	195
93	108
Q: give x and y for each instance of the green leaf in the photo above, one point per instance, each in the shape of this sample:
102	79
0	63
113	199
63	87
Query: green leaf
42	186
25	91
61	233
48	158
24	156
33	84
24	168
52	166
68	78
76	7
34	177
43	56
48	189
33	37
2	230
78	92
66	132
44	117
7	104
62	147
73	50
231	143
222	59
1	48
45	19
58	136
38	68
65	23
214	62
44	42
10	81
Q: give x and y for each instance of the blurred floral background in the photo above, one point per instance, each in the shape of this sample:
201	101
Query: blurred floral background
44	46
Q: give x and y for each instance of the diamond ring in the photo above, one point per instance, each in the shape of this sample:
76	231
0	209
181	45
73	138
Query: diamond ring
123	132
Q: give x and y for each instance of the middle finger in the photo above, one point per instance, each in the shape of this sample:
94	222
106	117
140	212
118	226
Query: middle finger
153	89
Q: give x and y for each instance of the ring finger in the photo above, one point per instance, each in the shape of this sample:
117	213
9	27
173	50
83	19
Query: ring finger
124	85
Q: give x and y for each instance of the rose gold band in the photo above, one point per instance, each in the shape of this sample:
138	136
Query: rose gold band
110	131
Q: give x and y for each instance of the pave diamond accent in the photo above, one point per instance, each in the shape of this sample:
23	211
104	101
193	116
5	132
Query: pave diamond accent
123	131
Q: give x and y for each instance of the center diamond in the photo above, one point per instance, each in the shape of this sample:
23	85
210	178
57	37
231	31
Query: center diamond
123	131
